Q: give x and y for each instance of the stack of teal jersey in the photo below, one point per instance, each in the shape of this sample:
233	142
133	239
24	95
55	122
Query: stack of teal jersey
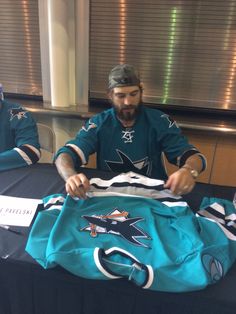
131	227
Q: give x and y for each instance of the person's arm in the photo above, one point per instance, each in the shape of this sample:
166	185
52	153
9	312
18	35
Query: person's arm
76	184
19	122
181	153
17	157
74	154
182	181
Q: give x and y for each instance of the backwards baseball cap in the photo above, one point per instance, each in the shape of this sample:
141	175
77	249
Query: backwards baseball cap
123	75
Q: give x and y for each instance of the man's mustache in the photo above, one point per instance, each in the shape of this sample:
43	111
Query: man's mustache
128	107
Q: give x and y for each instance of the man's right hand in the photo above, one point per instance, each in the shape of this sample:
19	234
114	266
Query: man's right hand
77	185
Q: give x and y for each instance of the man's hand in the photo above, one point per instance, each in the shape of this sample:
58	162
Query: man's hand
180	182
77	185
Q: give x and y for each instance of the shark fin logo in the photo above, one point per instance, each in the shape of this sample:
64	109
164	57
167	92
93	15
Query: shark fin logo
142	166
116	223
19	113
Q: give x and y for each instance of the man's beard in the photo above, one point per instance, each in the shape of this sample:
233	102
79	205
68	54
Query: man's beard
124	114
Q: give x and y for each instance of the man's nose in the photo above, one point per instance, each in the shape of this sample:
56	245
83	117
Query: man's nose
127	100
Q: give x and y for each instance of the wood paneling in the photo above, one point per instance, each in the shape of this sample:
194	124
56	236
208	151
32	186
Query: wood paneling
206	144
224	168
92	162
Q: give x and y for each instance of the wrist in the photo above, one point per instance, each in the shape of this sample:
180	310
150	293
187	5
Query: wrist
194	173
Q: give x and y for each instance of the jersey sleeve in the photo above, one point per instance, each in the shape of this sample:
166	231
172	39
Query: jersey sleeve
27	148
85	143
38	238
16	158
175	145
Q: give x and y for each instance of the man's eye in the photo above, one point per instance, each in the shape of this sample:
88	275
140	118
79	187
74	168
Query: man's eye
120	96
133	94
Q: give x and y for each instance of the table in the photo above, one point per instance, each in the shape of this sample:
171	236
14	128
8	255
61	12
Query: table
26	288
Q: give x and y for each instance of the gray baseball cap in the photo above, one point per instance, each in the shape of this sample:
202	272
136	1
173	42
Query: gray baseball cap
123	75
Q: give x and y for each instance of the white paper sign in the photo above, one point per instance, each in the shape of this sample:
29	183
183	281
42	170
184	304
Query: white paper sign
17	211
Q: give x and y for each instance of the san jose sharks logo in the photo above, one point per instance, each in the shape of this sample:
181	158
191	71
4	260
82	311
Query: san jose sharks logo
19	113
128	135
91	125
117	223
170	120
142	166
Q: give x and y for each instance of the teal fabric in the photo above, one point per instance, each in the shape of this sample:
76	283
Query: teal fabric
137	149
17	128
173	250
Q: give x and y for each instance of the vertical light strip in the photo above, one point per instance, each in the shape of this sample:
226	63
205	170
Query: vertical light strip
230	82
230	21
231	76
82	20
27	33
168	70
122	30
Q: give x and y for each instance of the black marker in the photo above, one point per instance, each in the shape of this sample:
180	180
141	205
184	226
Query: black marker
9	229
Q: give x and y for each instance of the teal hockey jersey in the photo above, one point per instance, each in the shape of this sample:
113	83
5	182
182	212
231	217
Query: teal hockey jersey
139	149
19	144
131	227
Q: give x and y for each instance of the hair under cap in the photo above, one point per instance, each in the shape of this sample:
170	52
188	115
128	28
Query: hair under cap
123	75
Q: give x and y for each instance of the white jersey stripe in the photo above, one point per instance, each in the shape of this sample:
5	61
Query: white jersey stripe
79	152
23	155
129	177
100	267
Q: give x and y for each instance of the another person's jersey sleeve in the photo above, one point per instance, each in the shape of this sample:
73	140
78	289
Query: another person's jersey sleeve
27	148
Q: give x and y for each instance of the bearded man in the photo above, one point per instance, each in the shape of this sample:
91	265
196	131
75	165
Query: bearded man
130	137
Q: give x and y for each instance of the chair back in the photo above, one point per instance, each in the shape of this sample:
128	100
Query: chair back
46	141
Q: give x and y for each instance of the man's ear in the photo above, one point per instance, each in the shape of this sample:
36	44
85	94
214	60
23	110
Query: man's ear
141	87
109	94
